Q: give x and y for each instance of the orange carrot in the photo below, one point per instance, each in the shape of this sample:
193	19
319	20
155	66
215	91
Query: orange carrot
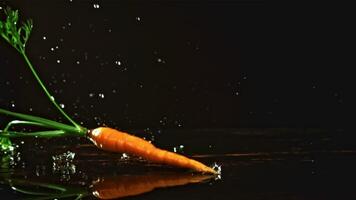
116	141
130	185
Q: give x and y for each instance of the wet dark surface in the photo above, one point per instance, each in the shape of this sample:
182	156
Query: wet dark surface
175	66
255	163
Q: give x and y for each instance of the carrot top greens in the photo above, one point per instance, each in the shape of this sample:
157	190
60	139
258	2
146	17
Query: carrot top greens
17	36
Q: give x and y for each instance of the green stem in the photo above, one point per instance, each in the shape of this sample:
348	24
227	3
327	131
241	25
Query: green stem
51	124
50	97
18	122
40	134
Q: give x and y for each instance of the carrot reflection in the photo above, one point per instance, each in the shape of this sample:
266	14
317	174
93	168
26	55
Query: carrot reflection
107	187
130	185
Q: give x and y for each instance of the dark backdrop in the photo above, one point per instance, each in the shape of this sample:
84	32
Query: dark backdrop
180	64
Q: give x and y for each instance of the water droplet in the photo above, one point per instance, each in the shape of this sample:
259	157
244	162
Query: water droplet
61	105
44	38
57	47
244	78
114	91
124	156
118	62
13	105
101	95
179	149
58	61
22	142
78	62
138	18
91	95
179	124
159	60
217	168
52	49
96	5
236	93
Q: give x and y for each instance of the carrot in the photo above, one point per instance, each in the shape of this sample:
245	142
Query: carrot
116	141
105	138
130	185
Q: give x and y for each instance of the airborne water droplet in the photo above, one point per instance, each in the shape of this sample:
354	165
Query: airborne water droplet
101	95
118	62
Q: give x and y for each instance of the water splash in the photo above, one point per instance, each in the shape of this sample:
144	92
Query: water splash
63	164
217	168
64	157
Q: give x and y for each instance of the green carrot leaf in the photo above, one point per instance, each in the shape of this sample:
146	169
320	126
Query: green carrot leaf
16	35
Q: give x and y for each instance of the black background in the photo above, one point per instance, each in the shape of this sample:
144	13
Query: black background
184	64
